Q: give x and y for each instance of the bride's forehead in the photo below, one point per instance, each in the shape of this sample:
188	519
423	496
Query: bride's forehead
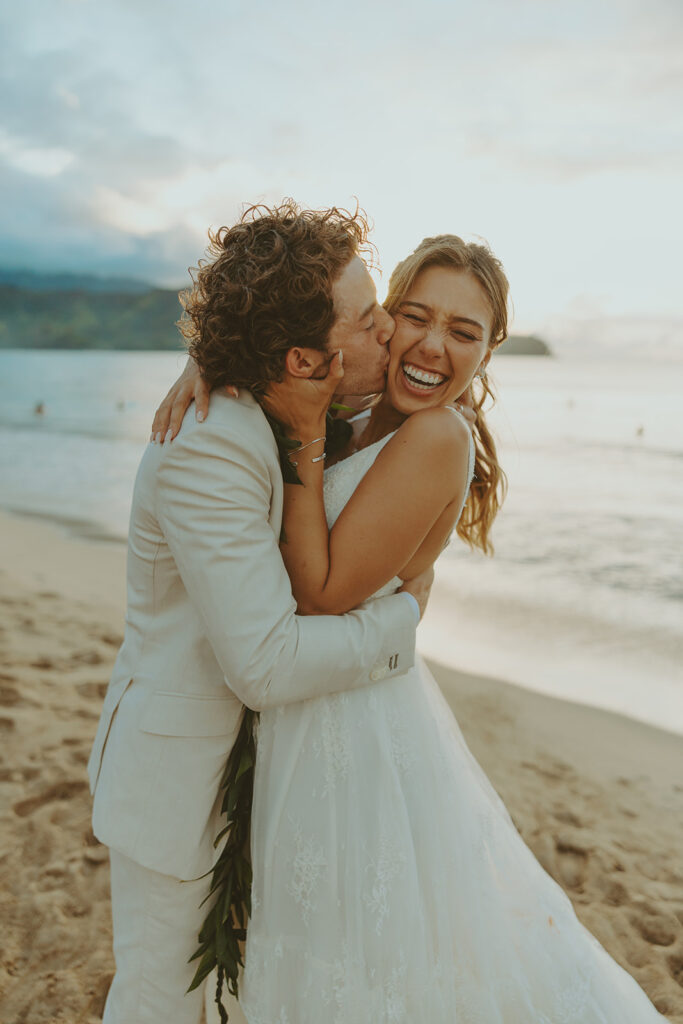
449	292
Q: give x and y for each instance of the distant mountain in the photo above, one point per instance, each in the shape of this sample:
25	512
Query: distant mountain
36	281
84	319
525	345
82	311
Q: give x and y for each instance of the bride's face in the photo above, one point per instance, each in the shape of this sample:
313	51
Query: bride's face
443	327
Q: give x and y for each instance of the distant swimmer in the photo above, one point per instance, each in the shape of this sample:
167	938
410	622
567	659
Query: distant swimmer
121	405
640	431
39	409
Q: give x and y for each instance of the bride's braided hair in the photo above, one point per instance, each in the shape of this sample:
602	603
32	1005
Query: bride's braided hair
490	484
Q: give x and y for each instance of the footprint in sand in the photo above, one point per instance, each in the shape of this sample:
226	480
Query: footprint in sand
92	691
87	658
615	893
113	639
60	791
556	771
675	965
566	817
572	860
6	724
657	929
43	663
96	855
90	716
9	696
658	869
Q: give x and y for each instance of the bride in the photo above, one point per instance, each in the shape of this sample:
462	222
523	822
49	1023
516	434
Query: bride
390	885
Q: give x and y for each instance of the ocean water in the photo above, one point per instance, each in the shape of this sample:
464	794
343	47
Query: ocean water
584	597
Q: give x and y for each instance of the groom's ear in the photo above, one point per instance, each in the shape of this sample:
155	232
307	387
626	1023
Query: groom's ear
305	362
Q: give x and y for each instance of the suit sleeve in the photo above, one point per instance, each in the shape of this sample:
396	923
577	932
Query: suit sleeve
213	505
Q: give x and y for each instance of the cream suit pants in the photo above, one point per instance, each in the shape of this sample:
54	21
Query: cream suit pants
156	920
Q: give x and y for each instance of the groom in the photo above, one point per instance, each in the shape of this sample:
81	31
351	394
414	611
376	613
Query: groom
211	621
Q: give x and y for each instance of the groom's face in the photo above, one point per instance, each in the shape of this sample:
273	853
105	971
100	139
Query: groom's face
362	330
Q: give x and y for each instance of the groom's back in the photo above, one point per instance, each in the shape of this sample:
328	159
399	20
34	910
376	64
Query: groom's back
169	710
164	633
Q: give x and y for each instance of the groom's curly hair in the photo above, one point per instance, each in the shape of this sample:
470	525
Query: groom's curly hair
264	287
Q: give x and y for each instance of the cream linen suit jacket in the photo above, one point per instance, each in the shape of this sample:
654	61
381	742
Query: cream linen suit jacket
211	625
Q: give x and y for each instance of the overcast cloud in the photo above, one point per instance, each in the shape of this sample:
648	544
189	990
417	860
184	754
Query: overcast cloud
552	129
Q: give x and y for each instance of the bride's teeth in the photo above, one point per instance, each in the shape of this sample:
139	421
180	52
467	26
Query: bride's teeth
421	378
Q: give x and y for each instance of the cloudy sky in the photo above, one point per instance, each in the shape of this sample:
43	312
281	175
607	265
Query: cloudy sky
552	129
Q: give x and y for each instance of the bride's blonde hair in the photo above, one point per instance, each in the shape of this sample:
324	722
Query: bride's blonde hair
490	483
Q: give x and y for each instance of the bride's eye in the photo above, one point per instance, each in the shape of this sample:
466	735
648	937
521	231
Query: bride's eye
463	335
414	319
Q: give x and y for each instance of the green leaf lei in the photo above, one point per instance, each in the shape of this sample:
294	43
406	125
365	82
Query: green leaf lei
225	926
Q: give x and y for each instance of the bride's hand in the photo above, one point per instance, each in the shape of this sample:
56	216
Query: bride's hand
190	387
301	399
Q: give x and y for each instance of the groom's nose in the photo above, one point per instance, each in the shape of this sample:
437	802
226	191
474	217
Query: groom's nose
386	326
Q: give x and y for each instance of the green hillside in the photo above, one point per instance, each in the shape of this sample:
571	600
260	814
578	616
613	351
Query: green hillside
86	319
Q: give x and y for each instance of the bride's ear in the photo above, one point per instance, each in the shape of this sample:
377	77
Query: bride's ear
304	362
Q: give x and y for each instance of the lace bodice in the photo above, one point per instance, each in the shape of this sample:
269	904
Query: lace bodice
342	479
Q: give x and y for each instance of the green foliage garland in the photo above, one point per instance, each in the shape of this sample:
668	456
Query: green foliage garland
225	926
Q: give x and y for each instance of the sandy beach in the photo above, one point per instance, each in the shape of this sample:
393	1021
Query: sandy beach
597	796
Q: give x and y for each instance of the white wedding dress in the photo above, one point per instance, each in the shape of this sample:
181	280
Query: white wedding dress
390	883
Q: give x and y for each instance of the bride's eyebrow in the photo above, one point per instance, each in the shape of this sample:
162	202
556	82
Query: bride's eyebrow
419	305
451	319
465	320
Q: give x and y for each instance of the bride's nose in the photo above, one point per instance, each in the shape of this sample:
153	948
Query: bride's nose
431	344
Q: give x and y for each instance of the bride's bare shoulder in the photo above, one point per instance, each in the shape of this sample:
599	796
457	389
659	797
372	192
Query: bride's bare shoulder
436	431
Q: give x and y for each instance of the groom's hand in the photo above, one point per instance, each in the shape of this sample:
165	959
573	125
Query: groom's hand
301	399
420	587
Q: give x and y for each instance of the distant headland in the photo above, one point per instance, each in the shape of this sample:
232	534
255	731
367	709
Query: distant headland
525	345
83	311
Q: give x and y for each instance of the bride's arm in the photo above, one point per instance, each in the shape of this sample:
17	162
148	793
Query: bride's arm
412	492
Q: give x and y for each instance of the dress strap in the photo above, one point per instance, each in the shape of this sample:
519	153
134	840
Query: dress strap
456	412
472	455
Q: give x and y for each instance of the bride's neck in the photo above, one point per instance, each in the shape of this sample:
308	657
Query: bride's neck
382	421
